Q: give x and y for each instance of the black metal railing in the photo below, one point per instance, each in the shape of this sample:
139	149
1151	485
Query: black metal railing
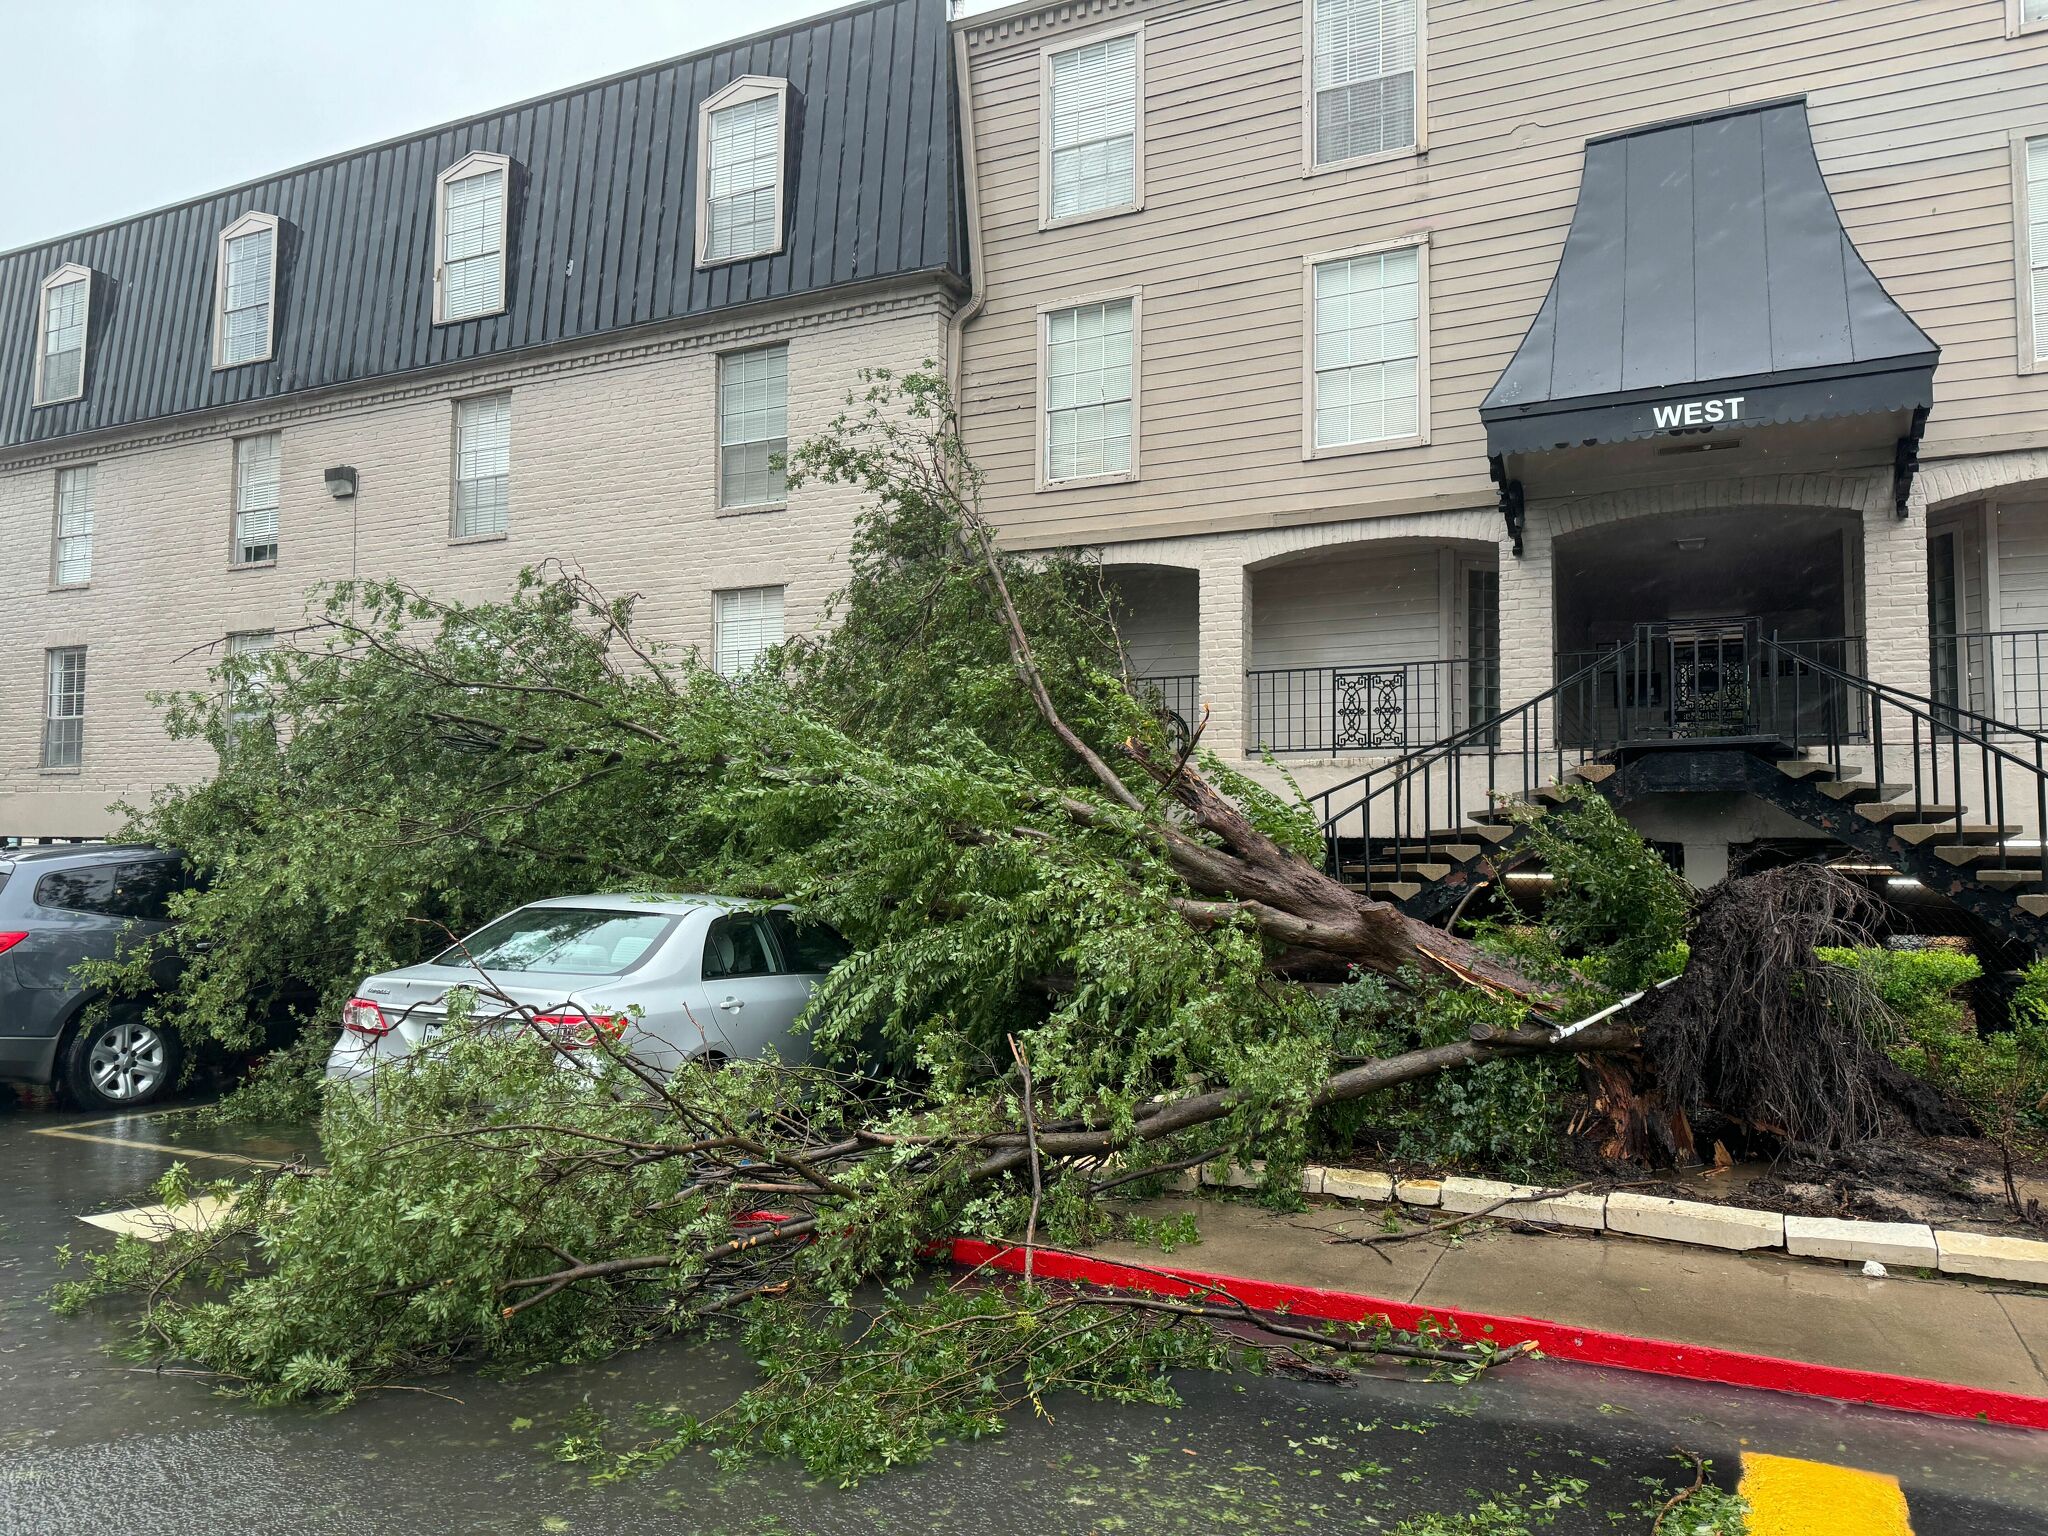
1364	707
1178	696
1994	766
2003	672
1932	754
1687	681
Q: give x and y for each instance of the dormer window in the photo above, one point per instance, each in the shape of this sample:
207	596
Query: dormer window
740	133
469	238
63	319
245	292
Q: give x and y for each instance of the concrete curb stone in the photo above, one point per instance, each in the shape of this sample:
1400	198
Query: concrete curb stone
1991	1257
1906	1243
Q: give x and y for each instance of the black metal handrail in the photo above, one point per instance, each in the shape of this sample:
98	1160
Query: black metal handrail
1921	726
1768	693
2006	669
1405	790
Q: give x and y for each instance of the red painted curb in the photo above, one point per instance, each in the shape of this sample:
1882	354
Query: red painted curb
1558	1341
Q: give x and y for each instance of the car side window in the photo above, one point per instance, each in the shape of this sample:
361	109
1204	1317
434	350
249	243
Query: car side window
88	889
737	945
809	948
144	889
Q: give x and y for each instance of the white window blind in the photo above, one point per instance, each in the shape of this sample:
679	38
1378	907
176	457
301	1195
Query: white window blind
753	427
744	164
1368	348
63	352
248	688
74	526
472	245
245	296
483	465
64	708
1365	68
2037	245
744	623
1093	132
1088	390
256	498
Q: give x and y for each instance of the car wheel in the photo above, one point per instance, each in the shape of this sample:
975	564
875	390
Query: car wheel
119	1060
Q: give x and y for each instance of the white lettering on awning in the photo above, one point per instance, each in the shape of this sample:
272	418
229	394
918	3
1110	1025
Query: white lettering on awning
1697	413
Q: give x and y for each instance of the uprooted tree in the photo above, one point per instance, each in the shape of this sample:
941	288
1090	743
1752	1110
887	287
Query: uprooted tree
1086	952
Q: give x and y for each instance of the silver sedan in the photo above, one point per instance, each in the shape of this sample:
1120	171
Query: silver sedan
672	979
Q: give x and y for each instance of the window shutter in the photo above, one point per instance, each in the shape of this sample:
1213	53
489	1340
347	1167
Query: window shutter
1088	390
74	526
744	623
1093	133
1365	69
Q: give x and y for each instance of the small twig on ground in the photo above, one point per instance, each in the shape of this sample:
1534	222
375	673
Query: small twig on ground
1462	1218
1037	1173
1699	1478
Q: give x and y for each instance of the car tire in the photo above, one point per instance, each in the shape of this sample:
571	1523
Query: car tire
117	1059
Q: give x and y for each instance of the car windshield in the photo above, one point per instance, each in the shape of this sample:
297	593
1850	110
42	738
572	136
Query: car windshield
567	940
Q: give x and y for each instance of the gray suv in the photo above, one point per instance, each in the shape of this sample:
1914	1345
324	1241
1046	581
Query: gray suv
59	906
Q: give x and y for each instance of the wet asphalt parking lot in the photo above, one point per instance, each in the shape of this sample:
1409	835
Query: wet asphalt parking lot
89	1443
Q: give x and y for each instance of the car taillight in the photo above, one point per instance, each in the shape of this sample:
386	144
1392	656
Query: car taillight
9	940
574	1031
360	1016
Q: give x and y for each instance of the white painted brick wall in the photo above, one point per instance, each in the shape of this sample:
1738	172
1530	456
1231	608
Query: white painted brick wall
613	467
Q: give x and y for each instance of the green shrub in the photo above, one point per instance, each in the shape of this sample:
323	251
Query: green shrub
2002	1076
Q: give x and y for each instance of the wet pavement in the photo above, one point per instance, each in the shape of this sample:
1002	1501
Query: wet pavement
90	1444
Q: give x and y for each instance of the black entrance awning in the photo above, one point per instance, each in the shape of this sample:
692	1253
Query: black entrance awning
1707	285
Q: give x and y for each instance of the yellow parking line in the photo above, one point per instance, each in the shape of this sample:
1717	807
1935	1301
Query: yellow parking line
153	1146
1790	1497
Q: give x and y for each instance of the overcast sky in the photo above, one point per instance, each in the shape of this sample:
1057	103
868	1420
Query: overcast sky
112	107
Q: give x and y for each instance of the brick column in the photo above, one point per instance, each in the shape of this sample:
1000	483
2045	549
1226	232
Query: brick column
1895	590
1527	624
1225	617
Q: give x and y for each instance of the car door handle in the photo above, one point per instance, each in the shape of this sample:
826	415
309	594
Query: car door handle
732	1005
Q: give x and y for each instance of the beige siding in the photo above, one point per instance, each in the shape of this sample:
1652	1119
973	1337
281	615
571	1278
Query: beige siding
1159	620
1912	103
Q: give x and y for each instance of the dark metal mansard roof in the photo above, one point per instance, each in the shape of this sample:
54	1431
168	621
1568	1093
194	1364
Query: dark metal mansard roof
1706	264
601	234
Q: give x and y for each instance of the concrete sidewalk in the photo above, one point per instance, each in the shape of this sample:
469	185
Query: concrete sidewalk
1947	1330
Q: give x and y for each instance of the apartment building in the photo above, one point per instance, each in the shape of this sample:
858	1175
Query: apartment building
1405	357
582	328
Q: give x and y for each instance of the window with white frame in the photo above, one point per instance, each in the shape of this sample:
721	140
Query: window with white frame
71	557
470	224
1093	136
258	487
64	707
753	427
63	318
248	684
739	194
2033	247
744	622
1364	64
1090	391
246	291
1367	347
2025	16
483	465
